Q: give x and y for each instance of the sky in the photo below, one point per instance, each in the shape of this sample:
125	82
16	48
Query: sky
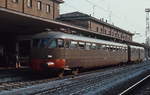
127	14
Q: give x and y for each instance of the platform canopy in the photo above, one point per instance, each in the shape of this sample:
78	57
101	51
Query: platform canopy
16	22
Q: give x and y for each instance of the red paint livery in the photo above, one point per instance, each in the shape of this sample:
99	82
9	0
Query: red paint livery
41	64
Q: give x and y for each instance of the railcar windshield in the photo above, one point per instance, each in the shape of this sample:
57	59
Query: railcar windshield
47	43
44	43
53	44
40	43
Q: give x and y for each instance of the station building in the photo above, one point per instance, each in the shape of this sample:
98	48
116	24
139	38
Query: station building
42	8
96	25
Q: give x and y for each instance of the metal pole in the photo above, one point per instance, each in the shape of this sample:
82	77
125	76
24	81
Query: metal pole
147	34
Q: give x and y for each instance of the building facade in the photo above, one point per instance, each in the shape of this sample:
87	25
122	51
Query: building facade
42	8
96	25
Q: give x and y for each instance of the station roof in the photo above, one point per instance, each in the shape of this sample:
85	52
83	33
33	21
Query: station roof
83	16
60	1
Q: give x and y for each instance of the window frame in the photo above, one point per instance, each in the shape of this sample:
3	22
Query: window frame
29	3
63	43
48	8
88	44
81	43
76	42
97	29
50	41
94	45
67	41
39	5
15	1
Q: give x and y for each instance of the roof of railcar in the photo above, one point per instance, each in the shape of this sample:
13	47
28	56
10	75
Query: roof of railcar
74	37
136	47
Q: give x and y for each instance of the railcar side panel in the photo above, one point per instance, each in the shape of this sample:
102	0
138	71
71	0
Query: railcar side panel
69	51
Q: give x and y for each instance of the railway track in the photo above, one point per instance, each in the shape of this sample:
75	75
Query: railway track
134	89
19	84
69	85
14	75
8	79
83	85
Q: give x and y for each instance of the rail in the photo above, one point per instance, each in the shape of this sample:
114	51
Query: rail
133	87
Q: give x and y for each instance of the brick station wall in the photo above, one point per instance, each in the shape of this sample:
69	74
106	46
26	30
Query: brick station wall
21	6
2	3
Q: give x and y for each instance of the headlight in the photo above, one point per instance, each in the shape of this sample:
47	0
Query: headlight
50	63
49	56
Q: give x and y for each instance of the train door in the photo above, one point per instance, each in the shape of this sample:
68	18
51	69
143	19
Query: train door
139	54
129	54
23	47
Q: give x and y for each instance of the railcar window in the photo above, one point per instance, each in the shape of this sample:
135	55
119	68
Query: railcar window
114	48
60	43
93	46
107	47
36	42
133	50
73	44
44	43
122	49
104	47
117	48
126	50
53	44
88	46
81	45
111	48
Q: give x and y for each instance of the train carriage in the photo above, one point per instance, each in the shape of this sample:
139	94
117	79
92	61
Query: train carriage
56	50
136	54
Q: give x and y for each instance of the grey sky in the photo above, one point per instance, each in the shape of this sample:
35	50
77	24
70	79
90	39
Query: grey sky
127	14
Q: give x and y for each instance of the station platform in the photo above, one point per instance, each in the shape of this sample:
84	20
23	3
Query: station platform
13	68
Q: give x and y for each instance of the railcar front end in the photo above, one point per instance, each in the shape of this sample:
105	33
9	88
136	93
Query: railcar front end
61	51
45	55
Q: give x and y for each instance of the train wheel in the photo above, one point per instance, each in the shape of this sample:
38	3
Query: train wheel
75	72
61	74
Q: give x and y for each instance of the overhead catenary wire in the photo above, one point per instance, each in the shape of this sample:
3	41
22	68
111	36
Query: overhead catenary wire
97	6
94	6
103	9
75	8
110	13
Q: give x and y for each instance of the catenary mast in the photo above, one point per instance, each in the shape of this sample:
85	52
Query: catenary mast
147	34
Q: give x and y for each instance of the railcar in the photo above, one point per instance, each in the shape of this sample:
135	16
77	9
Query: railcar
61	51
136	53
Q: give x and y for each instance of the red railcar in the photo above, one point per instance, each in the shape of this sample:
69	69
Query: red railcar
61	51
